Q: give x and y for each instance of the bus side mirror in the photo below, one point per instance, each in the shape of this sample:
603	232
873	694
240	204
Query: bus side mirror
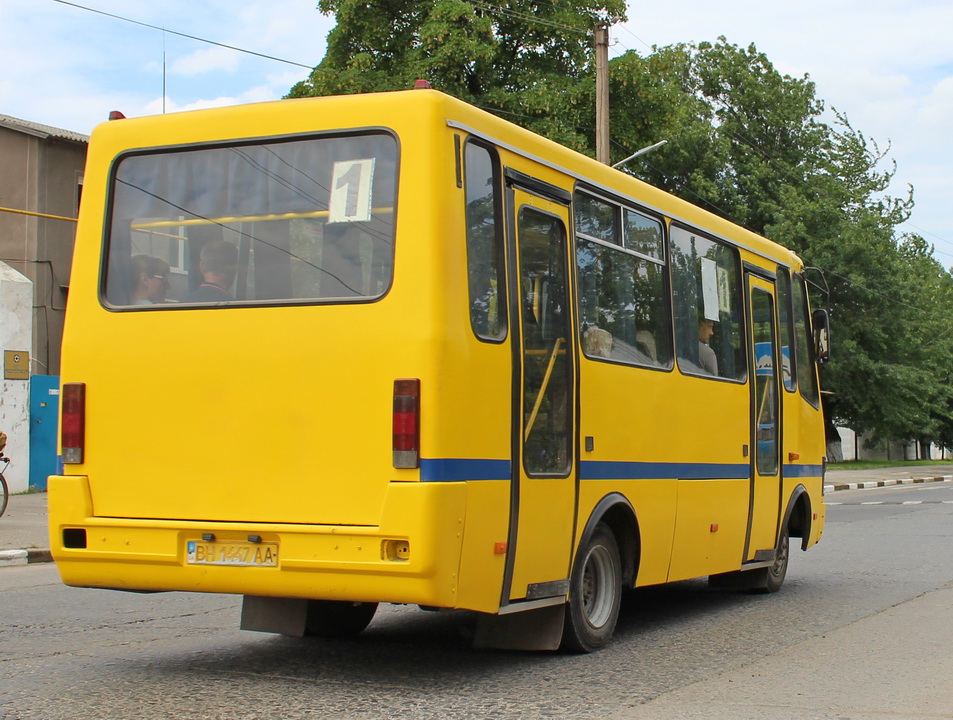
822	341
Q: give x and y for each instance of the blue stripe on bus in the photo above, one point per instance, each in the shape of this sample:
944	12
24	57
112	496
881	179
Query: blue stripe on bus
803	471
461	469
602	470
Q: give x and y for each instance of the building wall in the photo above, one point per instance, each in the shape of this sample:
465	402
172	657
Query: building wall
44	175
863	447
16	331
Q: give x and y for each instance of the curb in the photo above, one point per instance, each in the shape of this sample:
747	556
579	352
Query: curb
24	557
886	483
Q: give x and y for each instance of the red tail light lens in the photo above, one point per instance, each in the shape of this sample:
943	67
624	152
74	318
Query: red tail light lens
406	423
73	437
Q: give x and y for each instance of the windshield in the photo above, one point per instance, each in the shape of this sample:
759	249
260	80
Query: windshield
272	222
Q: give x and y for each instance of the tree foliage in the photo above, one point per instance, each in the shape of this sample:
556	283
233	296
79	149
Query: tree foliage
525	60
744	141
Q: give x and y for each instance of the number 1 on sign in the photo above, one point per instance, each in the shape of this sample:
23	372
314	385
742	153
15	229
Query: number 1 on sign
351	191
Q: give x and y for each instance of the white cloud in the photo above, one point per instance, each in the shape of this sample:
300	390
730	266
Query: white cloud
207	60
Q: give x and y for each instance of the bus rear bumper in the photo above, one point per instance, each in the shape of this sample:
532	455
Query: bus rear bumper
417	565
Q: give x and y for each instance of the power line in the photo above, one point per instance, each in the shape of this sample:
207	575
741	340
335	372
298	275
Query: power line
624	27
517	15
200	39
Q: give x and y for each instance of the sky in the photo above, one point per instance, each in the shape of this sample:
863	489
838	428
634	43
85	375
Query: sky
888	65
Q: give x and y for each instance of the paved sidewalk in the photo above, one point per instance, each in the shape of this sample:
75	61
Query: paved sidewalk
24	538
23	530
883	477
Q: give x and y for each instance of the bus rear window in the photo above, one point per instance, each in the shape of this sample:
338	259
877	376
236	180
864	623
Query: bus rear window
280	222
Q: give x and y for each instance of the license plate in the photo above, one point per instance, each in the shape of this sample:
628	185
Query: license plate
238	554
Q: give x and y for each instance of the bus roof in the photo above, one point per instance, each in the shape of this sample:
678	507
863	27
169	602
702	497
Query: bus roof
386	109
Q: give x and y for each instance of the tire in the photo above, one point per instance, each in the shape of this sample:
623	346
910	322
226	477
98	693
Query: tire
5	496
779	569
595	594
338	619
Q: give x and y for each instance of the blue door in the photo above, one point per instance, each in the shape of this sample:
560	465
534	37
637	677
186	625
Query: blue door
44	411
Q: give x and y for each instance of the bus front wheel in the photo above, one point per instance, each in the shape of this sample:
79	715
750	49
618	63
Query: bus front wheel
338	619
595	593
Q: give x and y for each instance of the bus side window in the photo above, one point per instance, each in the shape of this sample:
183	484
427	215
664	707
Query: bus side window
623	295
804	365
484	243
786	330
706	287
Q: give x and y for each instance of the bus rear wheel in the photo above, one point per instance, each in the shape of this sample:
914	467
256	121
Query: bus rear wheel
595	594
338	619
779	568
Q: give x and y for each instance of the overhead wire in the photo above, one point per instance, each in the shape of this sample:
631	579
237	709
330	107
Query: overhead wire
516	14
201	39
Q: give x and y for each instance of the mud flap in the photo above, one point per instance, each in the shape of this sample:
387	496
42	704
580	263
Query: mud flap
285	616
539	629
740	580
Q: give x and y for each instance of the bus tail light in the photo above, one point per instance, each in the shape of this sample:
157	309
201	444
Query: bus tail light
406	423
74	422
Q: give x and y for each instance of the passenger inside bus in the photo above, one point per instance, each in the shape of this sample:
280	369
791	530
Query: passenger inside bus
707	359
597	342
148	281
218	262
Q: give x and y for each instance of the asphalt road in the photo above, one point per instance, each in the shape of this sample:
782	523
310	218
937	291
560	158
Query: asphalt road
862	630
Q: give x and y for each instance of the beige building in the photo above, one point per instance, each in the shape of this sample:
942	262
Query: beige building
41	174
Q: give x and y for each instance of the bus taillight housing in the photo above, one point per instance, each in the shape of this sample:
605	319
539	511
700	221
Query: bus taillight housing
406	437
73	428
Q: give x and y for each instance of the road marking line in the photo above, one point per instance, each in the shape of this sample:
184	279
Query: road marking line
896	502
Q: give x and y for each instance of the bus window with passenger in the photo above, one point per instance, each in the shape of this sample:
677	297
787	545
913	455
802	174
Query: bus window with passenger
623	295
302	220
706	286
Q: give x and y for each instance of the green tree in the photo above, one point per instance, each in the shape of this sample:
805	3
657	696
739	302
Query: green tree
751	144
528	61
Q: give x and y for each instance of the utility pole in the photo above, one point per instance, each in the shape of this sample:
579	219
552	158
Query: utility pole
602	92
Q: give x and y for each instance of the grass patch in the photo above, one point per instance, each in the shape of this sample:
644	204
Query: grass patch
874	464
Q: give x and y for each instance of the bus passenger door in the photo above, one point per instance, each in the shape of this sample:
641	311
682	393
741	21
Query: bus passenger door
543	501
765	507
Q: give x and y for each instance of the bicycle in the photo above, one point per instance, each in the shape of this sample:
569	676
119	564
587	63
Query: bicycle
3	481
3	484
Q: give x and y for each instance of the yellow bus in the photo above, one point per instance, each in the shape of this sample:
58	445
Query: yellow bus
389	348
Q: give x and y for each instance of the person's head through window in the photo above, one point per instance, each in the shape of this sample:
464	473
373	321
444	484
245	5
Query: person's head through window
706	328
706	355
149	280
218	262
